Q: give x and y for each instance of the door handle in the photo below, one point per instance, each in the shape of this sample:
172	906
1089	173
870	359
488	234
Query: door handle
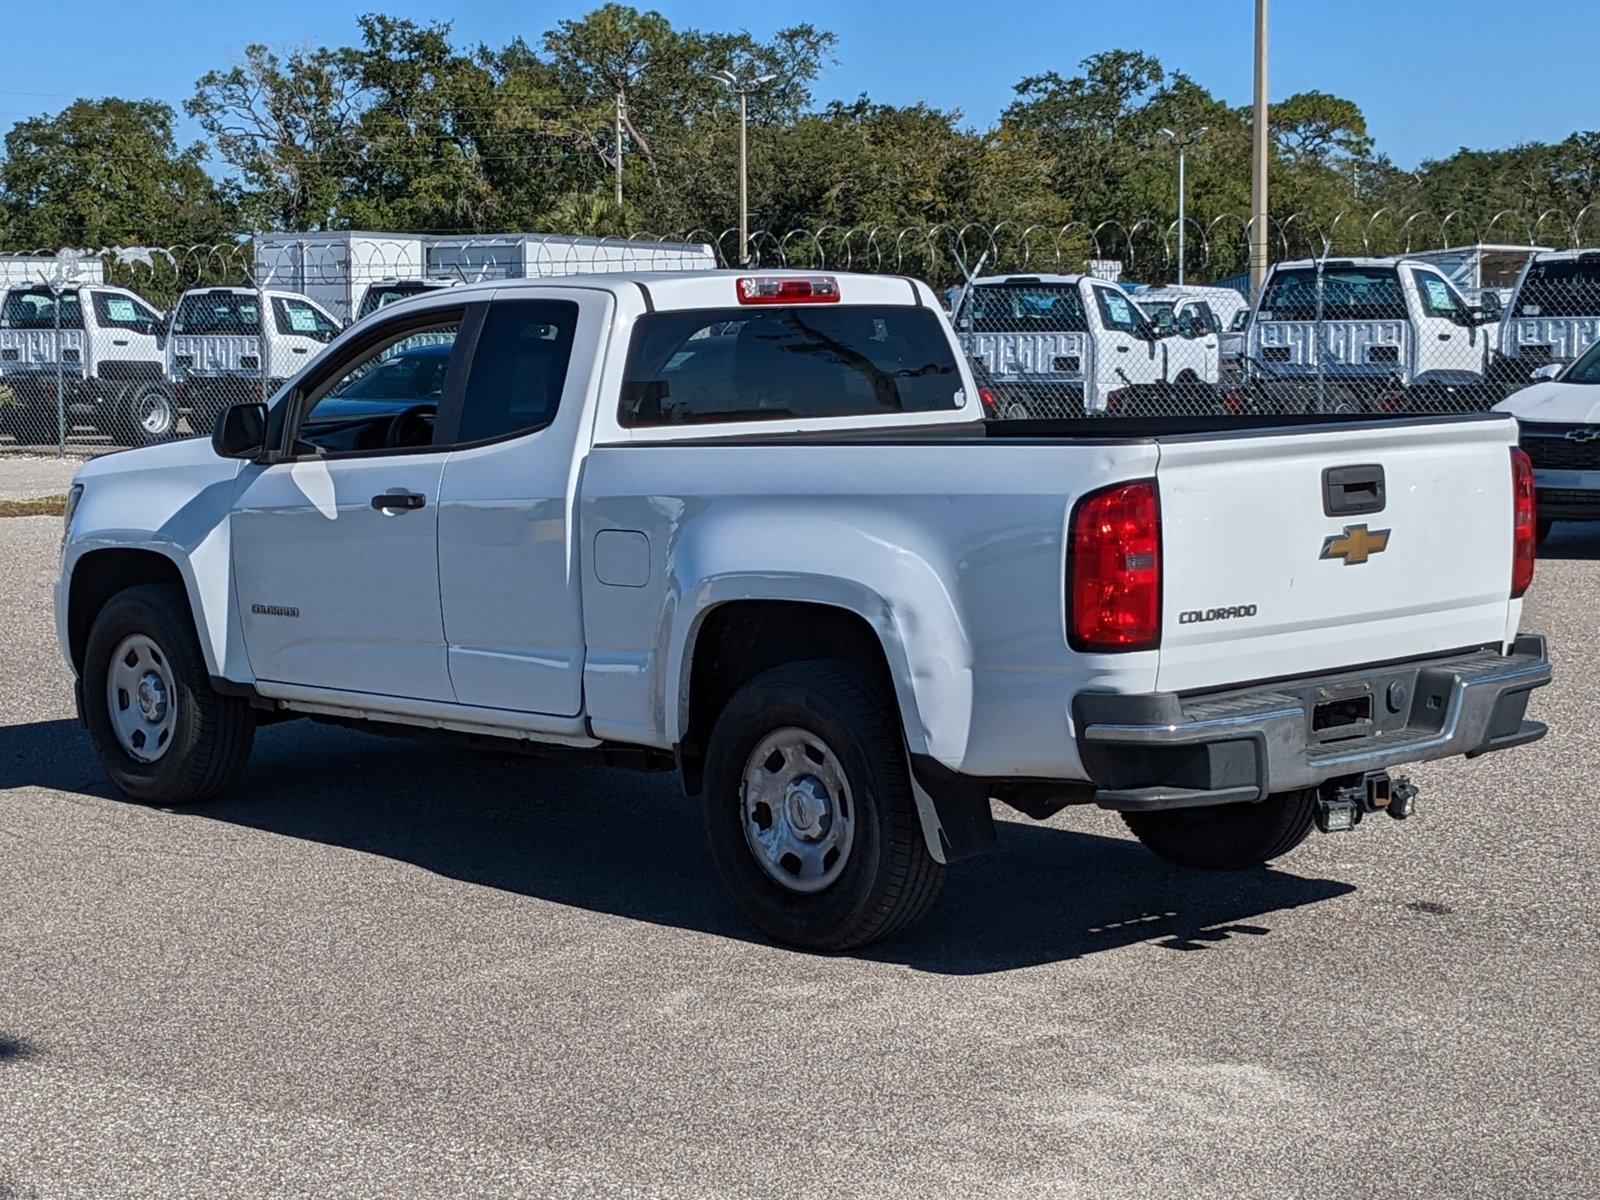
119	341
297	350
1123	348
398	501
1444	337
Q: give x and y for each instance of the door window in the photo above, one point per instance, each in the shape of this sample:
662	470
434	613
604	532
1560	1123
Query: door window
124	312
1439	299
302	319
1117	311
519	368
386	398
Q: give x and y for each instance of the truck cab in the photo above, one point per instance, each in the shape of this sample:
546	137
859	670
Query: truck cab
1059	345
221	352
1554	314
1368	324
383	292
97	349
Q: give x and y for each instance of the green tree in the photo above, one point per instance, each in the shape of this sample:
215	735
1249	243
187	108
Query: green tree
106	172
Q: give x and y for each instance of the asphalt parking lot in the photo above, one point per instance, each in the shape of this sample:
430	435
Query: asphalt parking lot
387	968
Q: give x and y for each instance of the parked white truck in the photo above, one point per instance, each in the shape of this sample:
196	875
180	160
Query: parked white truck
1065	345
1372	322
220	352
96	349
335	270
1554	315
753	527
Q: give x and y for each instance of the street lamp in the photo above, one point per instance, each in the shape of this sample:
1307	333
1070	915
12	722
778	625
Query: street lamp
744	87
1182	143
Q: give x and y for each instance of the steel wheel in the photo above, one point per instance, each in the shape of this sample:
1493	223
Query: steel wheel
799	816
154	414
141	698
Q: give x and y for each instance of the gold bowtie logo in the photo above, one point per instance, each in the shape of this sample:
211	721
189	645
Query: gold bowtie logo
1356	544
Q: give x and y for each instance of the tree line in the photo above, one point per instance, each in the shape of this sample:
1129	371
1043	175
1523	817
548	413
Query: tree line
407	130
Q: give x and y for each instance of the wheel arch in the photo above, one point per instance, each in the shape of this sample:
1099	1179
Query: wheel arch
99	574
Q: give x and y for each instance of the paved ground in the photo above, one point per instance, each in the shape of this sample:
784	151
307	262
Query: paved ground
25	476
384	968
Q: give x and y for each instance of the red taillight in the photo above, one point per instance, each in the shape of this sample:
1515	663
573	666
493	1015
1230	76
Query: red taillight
788	289
991	406
1525	530
1114	569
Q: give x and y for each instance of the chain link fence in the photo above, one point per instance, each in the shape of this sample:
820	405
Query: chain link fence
1378	313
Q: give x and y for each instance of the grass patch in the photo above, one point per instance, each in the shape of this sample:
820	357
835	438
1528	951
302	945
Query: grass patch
40	506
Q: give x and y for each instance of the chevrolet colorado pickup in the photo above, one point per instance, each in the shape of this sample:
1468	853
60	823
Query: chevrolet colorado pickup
754	529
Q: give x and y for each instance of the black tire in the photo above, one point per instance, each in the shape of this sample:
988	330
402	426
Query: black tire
1230	837
211	738
889	879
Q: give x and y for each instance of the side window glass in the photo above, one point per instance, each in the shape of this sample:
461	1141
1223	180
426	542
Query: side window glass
519	368
1117	311
387	398
1438	298
124	312
299	318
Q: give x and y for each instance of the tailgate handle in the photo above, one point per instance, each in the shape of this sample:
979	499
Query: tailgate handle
1352	491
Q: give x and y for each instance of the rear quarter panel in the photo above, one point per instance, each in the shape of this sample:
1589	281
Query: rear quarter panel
954	554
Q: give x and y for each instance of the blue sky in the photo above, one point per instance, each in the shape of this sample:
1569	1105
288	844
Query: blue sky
1431	75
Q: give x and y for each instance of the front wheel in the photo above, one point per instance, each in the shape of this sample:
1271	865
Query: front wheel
163	734
1228	837
810	811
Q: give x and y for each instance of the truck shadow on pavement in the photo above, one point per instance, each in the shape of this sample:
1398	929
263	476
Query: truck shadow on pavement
1574	541
633	846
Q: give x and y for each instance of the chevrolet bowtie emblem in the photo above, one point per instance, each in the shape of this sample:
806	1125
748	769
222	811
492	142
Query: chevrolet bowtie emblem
1588	434
1356	544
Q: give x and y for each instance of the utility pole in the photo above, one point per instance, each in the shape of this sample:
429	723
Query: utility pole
1182	143
744	88
1258	160
617	122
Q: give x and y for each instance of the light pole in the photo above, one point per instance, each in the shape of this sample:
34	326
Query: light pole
744	87
1183	143
1258	159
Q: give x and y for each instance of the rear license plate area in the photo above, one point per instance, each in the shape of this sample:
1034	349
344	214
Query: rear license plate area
1342	712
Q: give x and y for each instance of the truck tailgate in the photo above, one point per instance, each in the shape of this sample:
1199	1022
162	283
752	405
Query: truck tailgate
1260	582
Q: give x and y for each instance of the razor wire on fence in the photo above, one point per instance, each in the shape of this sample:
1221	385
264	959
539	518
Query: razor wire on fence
1387	311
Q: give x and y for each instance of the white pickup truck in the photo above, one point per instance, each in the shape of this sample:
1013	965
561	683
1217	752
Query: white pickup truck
752	527
1067	345
100	346
221	352
1378	323
1554	314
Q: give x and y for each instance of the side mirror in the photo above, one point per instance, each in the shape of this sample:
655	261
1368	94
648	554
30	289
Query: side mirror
1548	371
1489	307
240	431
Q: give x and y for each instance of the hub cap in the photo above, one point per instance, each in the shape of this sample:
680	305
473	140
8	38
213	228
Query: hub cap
154	414
799	817
141	698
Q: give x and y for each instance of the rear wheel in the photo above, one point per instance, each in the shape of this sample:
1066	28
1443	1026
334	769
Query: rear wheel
1229	837
163	734
809	807
143	415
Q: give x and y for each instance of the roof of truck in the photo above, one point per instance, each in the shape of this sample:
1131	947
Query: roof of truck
691	289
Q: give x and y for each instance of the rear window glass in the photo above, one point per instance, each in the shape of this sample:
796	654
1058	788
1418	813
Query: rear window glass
774	363
36	309
1025	308
218	313
1348	294
1563	288
381	295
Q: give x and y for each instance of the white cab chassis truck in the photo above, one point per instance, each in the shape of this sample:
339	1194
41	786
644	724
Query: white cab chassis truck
1069	345
1374	330
1554	314
97	348
221	352
335	270
752	527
